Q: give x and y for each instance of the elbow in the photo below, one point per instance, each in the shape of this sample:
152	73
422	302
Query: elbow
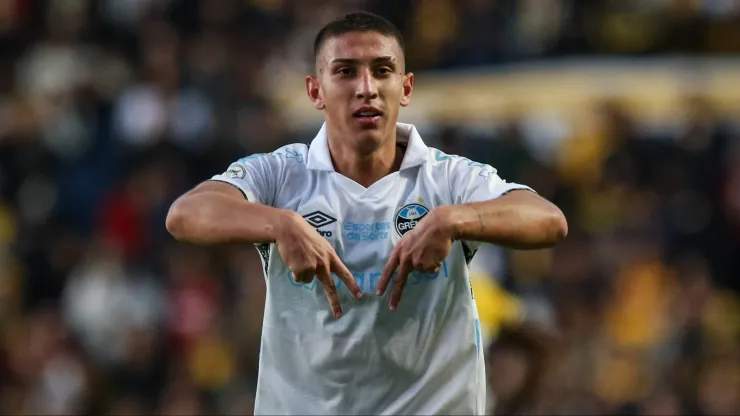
549	229
545	230
177	219
557	226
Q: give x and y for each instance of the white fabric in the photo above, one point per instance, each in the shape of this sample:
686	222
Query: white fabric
425	358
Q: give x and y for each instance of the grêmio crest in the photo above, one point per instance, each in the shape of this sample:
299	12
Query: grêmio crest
408	216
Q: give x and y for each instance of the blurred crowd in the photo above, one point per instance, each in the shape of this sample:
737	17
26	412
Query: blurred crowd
110	109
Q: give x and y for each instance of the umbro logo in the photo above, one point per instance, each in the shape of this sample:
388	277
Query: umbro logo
318	219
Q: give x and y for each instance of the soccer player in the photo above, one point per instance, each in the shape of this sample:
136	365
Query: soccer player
370	219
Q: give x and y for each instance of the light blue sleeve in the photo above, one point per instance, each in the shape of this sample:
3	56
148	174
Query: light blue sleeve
472	181
259	176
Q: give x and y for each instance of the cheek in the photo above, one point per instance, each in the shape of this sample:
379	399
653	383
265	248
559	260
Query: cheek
335	96
393	92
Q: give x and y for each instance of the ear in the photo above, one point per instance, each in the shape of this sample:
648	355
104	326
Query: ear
314	92
408	88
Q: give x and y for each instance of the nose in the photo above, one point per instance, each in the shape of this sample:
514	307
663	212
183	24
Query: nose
367	88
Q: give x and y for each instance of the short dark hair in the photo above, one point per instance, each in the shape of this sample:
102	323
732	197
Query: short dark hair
357	22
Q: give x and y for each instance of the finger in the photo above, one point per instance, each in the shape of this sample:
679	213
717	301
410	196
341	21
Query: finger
385	278
426	268
330	289
435	268
346	276
399	284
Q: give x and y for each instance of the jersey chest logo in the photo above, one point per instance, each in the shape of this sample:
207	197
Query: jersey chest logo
408	216
318	220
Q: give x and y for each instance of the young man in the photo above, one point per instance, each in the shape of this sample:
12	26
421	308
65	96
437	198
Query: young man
368	207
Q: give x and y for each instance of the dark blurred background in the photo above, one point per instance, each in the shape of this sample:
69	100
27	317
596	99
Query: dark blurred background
622	112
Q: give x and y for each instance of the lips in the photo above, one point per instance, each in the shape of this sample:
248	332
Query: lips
367	113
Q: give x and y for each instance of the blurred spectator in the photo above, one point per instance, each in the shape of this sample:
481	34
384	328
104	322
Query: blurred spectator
110	109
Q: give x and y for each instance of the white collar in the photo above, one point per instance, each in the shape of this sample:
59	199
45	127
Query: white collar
416	151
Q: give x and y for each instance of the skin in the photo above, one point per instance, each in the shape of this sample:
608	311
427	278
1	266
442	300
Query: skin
216	213
354	70
520	220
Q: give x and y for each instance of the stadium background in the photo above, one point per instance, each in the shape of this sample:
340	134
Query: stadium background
624	113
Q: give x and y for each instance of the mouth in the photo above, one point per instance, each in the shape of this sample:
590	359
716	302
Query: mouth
367	115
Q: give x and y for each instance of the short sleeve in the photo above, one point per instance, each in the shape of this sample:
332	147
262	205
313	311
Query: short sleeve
474	182
256	176
471	181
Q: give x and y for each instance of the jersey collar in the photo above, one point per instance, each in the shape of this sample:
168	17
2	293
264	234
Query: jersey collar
406	134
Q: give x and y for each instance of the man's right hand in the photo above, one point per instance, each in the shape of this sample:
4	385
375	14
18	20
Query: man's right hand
216	212
309	256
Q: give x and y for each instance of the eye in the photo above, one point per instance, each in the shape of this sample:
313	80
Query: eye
345	71
384	70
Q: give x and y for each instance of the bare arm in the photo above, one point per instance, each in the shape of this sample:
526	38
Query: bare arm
216	212
519	219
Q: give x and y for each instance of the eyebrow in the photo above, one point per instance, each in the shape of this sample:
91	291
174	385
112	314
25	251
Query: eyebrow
380	59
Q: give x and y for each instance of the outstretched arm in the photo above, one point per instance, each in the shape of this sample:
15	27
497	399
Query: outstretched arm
520	219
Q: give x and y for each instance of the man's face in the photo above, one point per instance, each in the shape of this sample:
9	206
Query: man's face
361	84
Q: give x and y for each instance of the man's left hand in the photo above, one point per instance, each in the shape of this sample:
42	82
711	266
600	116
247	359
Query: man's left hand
422	249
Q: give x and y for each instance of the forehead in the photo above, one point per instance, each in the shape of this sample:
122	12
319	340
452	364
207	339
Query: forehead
364	46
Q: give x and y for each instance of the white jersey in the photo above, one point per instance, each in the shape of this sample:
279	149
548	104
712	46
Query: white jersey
424	358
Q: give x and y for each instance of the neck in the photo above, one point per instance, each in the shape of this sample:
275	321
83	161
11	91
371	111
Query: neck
366	166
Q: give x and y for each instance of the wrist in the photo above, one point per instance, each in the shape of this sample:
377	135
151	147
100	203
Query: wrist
279	223
446	220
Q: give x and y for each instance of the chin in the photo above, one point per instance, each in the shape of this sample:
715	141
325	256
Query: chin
369	140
